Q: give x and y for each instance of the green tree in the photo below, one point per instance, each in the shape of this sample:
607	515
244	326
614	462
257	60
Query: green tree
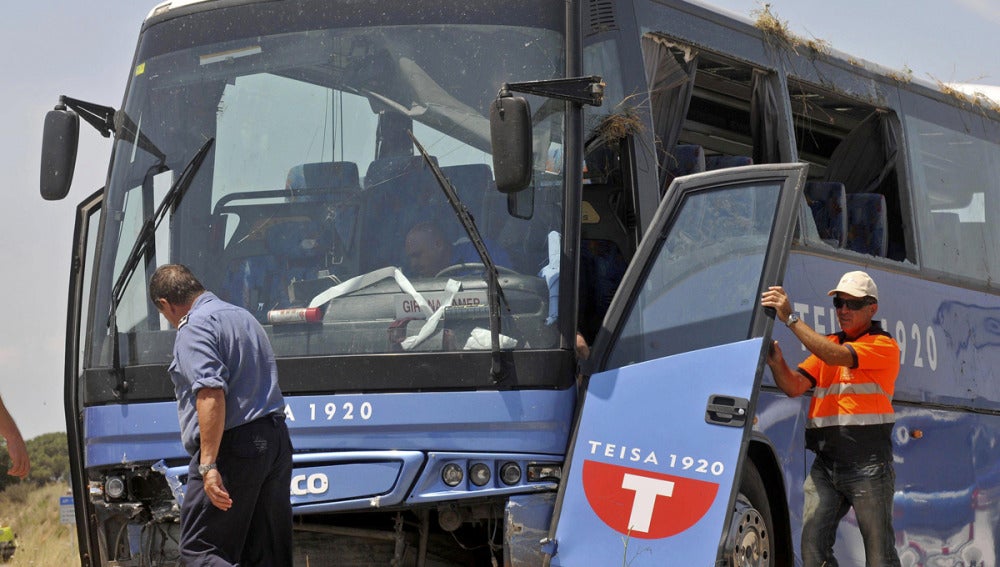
49	454
5	479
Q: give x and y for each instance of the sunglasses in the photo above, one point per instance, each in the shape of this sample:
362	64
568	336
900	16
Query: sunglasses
852	304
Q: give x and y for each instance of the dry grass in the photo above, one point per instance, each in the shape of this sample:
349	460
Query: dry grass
953	92
904	76
773	27
618	126
818	45
776	32
975	98
34	514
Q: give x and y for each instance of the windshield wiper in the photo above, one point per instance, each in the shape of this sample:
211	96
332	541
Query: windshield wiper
494	293
146	234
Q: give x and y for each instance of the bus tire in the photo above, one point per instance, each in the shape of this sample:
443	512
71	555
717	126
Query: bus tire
750	541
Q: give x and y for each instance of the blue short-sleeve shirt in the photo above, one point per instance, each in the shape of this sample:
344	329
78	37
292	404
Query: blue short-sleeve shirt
219	345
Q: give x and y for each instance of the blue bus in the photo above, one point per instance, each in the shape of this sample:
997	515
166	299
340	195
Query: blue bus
629	175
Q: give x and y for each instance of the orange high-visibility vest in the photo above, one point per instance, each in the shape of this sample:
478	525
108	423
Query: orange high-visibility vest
860	394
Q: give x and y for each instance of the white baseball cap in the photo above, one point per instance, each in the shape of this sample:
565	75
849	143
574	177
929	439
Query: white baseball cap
858	284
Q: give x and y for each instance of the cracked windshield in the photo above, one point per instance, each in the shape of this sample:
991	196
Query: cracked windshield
315	210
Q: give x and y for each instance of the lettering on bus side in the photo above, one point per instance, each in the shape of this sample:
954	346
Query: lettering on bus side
314	484
643	503
330	411
665	460
918	345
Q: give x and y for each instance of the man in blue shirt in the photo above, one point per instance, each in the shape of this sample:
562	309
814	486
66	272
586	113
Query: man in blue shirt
236	507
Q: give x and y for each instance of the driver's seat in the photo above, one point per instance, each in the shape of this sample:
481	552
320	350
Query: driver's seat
400	191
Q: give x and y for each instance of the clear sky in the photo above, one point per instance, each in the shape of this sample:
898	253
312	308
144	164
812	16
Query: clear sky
84	49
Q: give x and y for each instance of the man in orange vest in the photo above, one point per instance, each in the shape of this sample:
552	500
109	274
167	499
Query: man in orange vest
853	376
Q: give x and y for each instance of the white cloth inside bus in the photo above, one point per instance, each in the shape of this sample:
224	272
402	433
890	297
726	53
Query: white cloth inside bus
433	317
480	339
551	275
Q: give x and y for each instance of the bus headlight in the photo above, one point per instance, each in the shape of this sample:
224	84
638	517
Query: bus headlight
114	488
452	475
479	474
510	473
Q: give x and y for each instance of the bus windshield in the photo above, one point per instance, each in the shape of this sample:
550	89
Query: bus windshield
313	210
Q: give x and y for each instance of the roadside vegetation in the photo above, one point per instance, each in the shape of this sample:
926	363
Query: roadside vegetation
31	506
33	512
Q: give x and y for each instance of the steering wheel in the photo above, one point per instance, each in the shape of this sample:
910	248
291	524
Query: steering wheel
469	266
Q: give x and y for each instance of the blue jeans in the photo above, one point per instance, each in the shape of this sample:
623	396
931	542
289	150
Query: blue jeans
830	491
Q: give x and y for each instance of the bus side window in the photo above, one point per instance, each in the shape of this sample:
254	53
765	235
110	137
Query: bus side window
860	146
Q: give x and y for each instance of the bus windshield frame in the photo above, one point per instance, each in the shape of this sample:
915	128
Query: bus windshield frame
311	114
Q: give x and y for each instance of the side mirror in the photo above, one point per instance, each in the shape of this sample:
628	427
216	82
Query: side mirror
60	139
510	136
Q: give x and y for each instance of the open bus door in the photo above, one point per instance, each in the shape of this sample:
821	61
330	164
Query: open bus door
660	439
88	217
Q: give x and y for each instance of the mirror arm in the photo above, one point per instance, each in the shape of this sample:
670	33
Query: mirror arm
581	90
99	116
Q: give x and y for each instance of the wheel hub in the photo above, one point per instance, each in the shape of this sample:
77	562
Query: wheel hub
749	542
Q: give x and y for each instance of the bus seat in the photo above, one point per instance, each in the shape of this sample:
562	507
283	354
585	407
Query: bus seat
866	223
331	175
400	191
828	202
299	247
248	284
686	159
724	161
473	183
295	248
526	239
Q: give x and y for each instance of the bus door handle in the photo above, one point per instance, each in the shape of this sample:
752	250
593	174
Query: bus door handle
726	410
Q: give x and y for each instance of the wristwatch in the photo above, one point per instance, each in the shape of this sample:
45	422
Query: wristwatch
203	469
792	319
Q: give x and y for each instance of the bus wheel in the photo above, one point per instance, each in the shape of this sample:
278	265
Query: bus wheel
750	542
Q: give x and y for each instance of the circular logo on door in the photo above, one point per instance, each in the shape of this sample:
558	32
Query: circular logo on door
644	504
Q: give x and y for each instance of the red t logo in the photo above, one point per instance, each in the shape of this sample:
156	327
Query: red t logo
644	504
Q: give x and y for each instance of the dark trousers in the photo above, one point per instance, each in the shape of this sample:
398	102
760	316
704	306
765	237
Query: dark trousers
830	491
255	461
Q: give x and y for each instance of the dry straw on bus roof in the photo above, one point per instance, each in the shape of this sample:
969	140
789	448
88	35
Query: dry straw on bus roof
953	92
976	99
776	32
904	76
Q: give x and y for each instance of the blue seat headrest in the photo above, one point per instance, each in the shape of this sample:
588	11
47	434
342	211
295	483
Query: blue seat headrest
331	175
